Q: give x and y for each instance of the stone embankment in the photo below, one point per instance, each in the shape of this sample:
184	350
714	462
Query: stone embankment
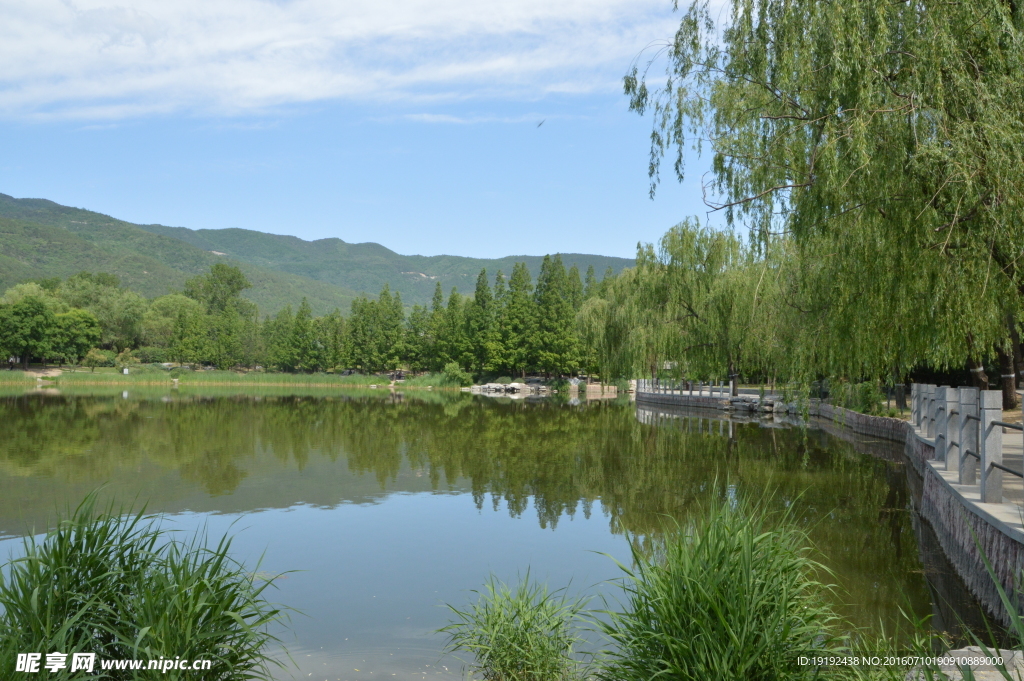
954	443
592	390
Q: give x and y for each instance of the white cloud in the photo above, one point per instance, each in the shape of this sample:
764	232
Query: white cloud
92	59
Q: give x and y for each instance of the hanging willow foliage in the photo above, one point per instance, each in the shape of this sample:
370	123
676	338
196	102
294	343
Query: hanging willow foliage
885	140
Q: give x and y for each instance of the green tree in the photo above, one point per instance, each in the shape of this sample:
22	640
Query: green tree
277	338
76	332
304	341
189	339
555	343
885	138
220	289
574	288
520	317
452	343
27	329
119	310
158	321
481	326
590	284
418	339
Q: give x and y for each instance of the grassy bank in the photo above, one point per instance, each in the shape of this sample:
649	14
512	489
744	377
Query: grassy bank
142	376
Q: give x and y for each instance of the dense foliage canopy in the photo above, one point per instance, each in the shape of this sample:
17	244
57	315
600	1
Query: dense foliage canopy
510	328
873	150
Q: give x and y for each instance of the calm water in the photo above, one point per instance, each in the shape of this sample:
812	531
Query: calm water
386	507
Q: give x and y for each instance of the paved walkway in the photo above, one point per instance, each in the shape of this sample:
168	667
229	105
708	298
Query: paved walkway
1013	457
1009	514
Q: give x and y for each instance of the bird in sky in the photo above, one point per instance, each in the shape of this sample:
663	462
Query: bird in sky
541	123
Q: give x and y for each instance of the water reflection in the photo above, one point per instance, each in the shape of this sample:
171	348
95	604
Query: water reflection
550	461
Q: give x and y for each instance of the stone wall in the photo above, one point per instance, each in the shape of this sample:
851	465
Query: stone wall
966	534
879	426
964	531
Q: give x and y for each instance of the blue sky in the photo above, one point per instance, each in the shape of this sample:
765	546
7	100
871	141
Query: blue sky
412	124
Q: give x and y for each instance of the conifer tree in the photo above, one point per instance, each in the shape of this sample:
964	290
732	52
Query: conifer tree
520	318
574	288
480	325
500	337
303	339
277	334
590	284
555	343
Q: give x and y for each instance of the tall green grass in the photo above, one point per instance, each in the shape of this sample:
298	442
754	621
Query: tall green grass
521	634
17	378
121	587
435	380
734	594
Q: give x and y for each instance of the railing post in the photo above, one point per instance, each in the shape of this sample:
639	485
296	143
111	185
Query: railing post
951	432
968	436
991	437
940	422
930	414
913	403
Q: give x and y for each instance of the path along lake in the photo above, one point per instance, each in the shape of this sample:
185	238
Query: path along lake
381	507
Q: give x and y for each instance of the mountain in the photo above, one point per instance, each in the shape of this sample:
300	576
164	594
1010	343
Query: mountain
367	267
40	238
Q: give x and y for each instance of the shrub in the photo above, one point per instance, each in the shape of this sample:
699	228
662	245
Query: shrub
504	380
454	375
126	358
98	358
732	596
526	634
118	586
149	355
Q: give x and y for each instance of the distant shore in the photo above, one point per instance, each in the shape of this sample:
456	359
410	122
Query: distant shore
148	376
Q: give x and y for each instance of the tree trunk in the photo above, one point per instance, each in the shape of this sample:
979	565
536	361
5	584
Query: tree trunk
1008	379
978	376
1018	358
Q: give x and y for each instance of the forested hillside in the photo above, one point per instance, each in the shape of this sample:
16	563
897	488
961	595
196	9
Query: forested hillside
40	238
367	267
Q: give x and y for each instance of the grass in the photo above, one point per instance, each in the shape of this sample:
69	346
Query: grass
521	634
16	378
430	380
119	586
147	375
732	595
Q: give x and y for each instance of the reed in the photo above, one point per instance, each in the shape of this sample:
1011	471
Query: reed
119	586
521	634
732	595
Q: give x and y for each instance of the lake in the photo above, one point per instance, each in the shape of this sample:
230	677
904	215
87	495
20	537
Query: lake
382	507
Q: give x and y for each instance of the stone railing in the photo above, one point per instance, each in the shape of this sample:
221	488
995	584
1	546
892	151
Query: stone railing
722	390
966	427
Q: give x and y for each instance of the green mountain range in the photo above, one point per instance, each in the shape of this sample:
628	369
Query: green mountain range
40	238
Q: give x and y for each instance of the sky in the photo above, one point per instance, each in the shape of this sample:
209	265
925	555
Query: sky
442	127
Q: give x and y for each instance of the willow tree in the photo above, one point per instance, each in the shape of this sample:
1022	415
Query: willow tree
886	138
